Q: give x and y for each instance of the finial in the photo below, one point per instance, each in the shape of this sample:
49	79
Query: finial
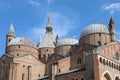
49	15
49	23
11	28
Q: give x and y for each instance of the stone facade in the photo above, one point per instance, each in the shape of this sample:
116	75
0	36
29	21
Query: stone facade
96	56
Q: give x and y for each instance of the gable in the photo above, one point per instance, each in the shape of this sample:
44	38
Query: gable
54	57
29	59
5	60
110	49
6	57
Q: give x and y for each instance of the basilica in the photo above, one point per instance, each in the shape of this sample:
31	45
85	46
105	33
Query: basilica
95	56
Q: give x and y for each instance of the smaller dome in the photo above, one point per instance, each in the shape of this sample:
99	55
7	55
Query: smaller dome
22	41
95	28
67	41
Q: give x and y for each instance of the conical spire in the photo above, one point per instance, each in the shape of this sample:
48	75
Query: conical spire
49	26
11	30
111	21
112	29
57	38
49	23
10	35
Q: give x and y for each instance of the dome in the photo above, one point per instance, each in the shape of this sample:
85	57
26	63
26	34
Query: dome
67	41
21	41
95	28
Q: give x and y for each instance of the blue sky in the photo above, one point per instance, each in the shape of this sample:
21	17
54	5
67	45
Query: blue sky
68	17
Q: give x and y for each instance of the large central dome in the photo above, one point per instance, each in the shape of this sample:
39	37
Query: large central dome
95	28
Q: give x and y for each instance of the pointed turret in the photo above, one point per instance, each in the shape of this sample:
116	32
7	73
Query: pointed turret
11	30
112	29
57	38
111	23
10	35
49	26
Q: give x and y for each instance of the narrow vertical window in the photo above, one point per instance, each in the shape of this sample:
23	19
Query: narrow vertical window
19	46
100	34
59	70
23	76
9	40
99	43
79	60
39	75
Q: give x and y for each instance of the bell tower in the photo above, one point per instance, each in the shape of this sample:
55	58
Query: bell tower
112	30
10	35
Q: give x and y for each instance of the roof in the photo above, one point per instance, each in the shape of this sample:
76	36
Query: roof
11	30
94	28
47	41
43	77
22	41
71	71
67	41
55	54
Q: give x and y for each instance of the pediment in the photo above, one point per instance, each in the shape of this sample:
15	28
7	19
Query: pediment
30	59
54	57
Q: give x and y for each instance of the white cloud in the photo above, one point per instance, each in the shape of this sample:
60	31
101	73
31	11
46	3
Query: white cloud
118	35
61	26
35	3
114	7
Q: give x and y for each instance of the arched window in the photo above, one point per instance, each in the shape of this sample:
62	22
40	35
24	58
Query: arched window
79	60
107	76
82	79
100	59
117	78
